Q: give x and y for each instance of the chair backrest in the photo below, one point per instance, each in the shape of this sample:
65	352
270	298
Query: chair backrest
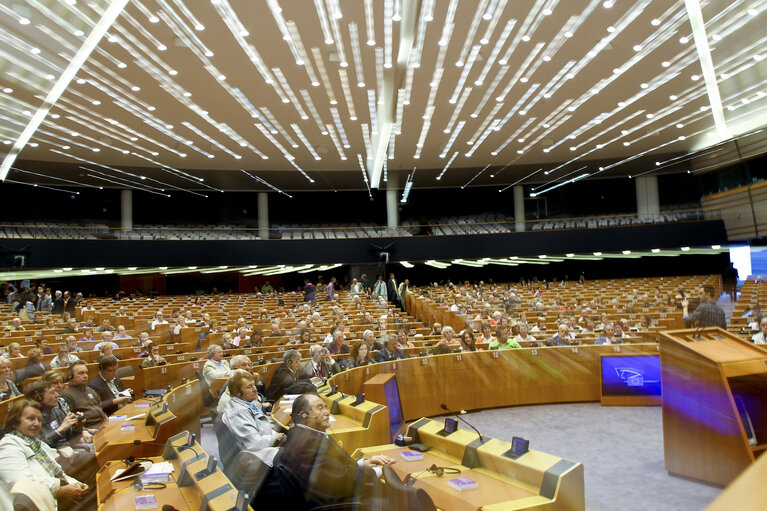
125	372
405	498
208	400
247	472
227	445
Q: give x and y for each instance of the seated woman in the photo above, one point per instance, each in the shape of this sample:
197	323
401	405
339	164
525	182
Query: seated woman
13	351
448	337
7	387
64	431
35	365
369	338
250	427
360	356
523	336
24	457
87	336
42	343
107	350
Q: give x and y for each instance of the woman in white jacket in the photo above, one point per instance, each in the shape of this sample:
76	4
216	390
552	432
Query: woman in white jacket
23	457
243	415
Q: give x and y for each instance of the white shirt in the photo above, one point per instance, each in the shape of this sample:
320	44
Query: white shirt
759	338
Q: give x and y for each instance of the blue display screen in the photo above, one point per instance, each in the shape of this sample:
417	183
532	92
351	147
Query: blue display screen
391	391
635	375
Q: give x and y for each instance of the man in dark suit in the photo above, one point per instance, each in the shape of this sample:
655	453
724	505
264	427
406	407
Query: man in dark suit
312	469
391	291
58	304
69	303
287	379
109	387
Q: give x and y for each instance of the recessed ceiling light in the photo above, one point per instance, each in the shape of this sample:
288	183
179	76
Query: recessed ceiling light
611	29
135	88
23	21
655	22
8	90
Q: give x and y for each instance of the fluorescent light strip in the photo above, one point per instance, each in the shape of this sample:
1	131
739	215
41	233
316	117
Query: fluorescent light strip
364	172
457	110
388	33
465	73
379	54
276	11
337	31
366	137
369	22
447	165
298	168
427	12
324	75
322	15
282	131
493	127
533	53
496	11
264	131
289	92
306	142
578	178
339	127
558	178
496	50
312	110
122	184
296	36
514	135
336	141
357	54
471	33
452	138
76	183
34	185
93	39
373	111
191	127
400	110
392	143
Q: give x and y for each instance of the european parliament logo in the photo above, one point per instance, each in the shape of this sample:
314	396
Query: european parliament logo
632	377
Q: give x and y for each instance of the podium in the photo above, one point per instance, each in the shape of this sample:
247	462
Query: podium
714	388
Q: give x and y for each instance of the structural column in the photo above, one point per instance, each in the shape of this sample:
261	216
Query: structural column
647	195
263	215
126	210
392	204
519	208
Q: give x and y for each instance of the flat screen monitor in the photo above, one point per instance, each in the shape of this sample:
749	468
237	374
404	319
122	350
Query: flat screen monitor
396	421
631	379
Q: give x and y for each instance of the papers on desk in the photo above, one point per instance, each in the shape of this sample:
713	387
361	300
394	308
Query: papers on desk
134	417
117	418
411	455
159	472
125	393
143	502
462	484
131	471
289	398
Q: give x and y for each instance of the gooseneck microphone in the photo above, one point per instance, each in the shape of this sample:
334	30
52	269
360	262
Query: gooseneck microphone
188	445
457	416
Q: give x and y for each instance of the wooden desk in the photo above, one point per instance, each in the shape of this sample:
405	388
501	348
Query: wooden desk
535	480
353	427
185	492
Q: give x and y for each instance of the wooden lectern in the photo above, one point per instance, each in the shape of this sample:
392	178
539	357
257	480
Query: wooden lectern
714	389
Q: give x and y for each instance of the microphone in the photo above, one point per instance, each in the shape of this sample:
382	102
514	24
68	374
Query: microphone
168	507
695	334
457	416
402	440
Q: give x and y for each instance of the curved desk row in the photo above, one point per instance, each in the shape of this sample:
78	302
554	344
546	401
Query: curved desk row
491	379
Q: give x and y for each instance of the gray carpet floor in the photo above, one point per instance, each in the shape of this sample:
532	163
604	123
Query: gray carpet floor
620	447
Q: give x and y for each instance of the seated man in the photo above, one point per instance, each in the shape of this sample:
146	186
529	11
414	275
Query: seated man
82	398
72	344
321	365
216	366
106	326
154	359
562	337
761	337
287	379
121	333
106	338
250	427
390	351
113	394
609	337
311	469
63	358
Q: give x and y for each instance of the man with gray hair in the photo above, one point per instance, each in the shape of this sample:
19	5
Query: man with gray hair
216	366
237	362
287	380
321	365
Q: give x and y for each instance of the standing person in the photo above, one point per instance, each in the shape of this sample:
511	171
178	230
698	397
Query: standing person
330	291
356	288
402	293
310	292
379	289
708	313
730	280
391	291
